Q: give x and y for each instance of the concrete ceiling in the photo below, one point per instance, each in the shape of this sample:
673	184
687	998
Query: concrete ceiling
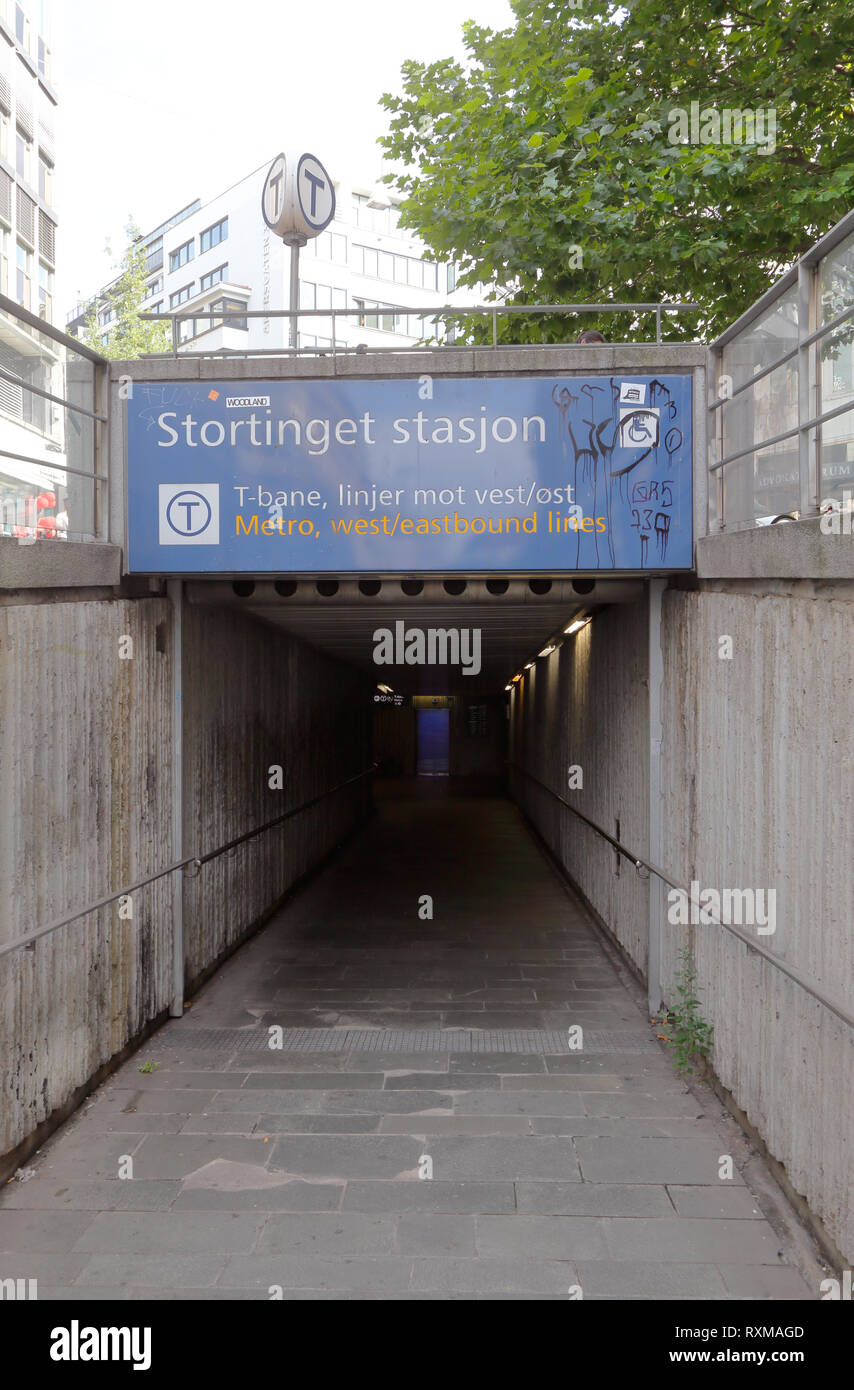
513	625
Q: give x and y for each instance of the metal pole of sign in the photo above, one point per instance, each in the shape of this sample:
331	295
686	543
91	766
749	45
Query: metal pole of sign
294	242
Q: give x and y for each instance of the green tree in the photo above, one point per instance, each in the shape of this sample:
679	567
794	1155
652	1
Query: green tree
550	162
127	336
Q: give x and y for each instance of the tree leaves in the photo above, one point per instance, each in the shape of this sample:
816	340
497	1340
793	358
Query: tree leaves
128	337
557	134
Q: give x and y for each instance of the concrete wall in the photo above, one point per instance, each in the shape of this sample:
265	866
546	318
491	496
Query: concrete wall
478	744
85	808
255	699
757	792
586	705
758	783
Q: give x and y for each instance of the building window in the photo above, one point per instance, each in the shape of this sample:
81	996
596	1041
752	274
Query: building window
182	255
452	277
45	181
24	261
232	307
213	277
22	156
403	270
45	293
212	236
182	295
387	319
4	135
44	59
197	327
330	246
153	287
155	308
22	28
312	296
154	255
376	219
4	261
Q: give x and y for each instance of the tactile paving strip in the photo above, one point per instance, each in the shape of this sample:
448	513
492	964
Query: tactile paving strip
554	1043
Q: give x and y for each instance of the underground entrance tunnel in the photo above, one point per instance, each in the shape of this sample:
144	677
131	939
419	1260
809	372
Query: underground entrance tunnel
376	1091
439	657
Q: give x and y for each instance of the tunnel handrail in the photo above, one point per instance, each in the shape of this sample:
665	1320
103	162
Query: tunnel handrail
196	859
639	862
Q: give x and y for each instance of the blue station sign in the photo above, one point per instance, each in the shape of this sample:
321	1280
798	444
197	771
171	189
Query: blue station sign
424	475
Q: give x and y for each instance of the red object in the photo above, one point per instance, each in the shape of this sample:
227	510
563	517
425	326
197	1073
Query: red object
46	501
46	527
19	531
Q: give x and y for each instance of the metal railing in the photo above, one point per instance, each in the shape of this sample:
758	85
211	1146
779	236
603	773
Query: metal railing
429	313
810	986
36	329
802	278
197	860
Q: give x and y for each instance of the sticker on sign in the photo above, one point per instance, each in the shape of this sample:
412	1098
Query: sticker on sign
245	402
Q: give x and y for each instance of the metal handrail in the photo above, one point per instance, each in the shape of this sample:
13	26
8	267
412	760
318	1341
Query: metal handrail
781	361
17	311
49	396
49	463
639	862
757	447
426	311
197	859
423	311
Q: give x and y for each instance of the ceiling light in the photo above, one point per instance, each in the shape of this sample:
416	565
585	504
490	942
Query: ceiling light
509	686
547	651
576	626
529	666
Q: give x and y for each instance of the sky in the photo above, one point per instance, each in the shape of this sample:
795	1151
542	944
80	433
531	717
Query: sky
173	100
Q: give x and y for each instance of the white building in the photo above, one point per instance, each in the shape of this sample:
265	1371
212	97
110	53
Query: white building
32	428
221	256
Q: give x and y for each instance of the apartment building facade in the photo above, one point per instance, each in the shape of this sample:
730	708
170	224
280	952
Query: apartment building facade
32	428
213	262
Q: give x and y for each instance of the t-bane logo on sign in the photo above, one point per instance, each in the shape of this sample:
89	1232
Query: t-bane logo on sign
188	513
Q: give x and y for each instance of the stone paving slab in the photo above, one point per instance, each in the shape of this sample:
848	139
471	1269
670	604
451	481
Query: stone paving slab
111	1194
651	1160
303	1169
180	1232
717	1201
291	1195
592	1199
436	1196
621	1279
109	1272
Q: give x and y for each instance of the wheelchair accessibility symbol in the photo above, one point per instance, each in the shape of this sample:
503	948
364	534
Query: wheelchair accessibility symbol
188	513
639	428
